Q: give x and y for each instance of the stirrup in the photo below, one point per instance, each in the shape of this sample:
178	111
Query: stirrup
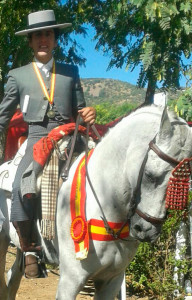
31	266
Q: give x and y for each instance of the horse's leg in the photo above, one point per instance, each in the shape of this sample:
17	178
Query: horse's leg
14	276
71	282
4	243
108	289
122	293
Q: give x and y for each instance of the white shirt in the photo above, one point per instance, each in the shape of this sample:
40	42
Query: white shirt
45	67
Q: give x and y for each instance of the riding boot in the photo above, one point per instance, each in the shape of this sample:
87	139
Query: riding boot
24	230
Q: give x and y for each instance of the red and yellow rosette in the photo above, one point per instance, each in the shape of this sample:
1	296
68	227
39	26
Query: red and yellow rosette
78	229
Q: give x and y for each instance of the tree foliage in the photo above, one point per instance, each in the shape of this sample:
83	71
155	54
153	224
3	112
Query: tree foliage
154	34
183	105
107	112
151	271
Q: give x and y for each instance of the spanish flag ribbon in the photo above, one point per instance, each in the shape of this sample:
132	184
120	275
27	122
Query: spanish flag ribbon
81	229
42	83
98	232
79	225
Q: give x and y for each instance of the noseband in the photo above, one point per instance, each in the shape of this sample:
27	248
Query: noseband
165	157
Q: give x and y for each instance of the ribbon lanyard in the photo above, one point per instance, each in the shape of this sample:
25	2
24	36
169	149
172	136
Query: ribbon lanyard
42	83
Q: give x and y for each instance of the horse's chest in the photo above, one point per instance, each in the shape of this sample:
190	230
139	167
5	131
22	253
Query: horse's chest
111	253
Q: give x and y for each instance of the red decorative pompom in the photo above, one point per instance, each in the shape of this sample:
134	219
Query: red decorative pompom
78	229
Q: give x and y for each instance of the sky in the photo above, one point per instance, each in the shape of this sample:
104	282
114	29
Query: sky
97	63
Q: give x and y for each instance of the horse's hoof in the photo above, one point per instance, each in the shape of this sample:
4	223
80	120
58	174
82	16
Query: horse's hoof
31	267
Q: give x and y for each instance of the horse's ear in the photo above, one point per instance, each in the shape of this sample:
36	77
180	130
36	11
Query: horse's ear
165	130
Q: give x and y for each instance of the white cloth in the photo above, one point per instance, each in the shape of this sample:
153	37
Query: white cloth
2	219
45	67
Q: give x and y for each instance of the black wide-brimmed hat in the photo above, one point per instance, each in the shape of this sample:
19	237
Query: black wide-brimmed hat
40	20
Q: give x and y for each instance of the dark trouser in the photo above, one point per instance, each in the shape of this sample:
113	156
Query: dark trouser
24	210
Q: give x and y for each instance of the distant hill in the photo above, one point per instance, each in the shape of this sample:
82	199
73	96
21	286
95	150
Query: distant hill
99	90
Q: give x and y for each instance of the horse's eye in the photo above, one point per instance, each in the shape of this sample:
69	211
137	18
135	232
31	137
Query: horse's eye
150	177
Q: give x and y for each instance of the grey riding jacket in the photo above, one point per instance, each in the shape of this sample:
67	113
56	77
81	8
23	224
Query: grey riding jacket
23	89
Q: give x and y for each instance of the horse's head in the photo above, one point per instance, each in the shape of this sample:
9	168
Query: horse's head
171	145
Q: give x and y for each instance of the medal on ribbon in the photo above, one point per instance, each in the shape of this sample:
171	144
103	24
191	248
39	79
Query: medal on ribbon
50	113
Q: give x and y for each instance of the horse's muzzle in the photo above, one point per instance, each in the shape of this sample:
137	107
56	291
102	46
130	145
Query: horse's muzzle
142	230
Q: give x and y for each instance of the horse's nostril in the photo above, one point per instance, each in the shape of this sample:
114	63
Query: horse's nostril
138	228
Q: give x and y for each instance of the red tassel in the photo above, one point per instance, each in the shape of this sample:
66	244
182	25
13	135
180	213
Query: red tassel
178	186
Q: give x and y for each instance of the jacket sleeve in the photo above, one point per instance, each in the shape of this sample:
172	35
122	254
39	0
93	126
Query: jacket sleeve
78	100
9	104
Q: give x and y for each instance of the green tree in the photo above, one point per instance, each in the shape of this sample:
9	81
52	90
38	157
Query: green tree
107	112
152	34
183	105
152	269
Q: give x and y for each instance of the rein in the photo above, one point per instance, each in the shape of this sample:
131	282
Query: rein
64	175
65	172
163	155
108	228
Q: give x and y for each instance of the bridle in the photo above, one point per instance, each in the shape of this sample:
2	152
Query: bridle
163	156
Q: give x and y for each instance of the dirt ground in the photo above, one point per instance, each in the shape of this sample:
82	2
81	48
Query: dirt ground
45	288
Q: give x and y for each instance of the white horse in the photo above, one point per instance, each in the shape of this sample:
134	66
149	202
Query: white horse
127	181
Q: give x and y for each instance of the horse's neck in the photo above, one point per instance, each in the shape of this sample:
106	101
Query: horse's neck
120	151
129	138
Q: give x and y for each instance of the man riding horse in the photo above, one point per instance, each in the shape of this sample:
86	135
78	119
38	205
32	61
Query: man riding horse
49	95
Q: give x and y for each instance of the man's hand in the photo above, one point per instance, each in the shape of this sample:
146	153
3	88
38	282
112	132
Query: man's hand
88	114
